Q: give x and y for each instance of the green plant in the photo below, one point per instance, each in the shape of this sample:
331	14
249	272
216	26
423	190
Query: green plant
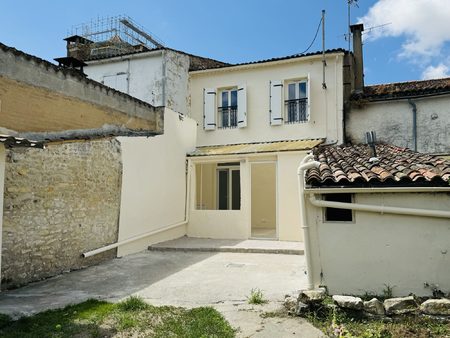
387	291
256	297
132	303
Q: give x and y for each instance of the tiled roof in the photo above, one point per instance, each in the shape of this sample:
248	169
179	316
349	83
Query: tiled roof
253	148
350	166
11	141
404	90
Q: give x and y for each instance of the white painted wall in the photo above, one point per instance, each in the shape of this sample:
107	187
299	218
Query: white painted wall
2	184
154	182
159	78
392	121
223	224
326	105
288	207
378	250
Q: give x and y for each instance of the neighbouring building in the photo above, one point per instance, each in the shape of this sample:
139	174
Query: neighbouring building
62	199
378	219
413	114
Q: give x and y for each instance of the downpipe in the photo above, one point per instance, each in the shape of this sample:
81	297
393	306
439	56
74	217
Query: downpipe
305	164
156	231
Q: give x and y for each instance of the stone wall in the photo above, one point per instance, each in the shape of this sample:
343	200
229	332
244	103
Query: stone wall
59	202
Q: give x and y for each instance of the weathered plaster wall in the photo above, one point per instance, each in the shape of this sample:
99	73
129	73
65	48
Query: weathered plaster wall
376	250
393	123
177	81
59	202
159	78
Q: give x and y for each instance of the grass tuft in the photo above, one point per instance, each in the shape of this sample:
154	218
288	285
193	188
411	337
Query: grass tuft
133	303
256	297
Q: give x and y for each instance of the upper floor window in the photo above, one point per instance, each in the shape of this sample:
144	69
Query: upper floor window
289	101
227	110
296	105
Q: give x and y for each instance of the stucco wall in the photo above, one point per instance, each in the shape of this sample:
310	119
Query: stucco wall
393	123
326	105
263	195
59	202
154	182
159	78
288	207
376	250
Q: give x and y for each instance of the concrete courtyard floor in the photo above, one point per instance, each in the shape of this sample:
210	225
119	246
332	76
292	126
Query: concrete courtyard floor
189	279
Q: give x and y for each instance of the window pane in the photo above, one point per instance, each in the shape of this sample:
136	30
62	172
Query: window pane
236	190
291	91
234	98
302	90
338	215
223	189
224	99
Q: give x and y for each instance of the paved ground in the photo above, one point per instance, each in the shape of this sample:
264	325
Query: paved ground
231	245
188	279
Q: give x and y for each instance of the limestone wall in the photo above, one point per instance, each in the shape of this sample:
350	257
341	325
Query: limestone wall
58	203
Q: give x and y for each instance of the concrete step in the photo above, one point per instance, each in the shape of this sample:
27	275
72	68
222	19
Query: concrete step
240	246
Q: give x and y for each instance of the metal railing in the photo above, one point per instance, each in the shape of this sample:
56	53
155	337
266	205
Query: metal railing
228	117
296	110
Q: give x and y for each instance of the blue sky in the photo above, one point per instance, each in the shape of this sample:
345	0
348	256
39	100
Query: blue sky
408	48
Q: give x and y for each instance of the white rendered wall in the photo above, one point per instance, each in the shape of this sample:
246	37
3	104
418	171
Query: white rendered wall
326	105
288	207
223	224
376	250
392	121
154	181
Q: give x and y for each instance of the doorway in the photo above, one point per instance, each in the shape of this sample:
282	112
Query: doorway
263	200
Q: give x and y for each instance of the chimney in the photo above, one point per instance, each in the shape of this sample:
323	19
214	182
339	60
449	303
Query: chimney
358	56
78	47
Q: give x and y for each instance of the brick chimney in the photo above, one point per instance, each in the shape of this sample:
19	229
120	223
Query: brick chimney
358	57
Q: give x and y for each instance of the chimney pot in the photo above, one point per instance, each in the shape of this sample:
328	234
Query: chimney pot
358	56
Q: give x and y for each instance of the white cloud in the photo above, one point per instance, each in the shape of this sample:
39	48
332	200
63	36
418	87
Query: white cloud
436	72
424	24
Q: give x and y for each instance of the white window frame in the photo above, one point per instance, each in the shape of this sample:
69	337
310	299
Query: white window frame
296	105
230	170
220	105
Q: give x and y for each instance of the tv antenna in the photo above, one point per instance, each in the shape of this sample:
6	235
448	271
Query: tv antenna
349	33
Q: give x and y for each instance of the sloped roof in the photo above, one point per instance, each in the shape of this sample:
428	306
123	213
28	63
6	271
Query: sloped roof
396	166
281	58
399	90
254	148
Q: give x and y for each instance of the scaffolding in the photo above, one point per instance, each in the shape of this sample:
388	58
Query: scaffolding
115	35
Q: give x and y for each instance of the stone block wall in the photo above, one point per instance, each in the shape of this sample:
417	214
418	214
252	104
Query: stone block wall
59	202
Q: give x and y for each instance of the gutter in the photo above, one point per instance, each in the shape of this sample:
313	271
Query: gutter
153	232
379	208
305	164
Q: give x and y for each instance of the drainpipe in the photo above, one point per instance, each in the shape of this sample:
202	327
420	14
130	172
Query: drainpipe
305	164
379	208
153	232
414	110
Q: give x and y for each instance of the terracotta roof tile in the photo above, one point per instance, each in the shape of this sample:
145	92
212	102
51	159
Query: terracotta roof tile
396	166
404	89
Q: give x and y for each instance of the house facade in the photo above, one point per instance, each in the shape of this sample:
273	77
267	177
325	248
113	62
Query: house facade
255	122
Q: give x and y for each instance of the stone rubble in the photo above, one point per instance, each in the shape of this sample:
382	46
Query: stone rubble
348	302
